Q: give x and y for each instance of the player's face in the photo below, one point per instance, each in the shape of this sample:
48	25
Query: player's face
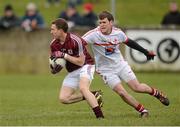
105	26
55	32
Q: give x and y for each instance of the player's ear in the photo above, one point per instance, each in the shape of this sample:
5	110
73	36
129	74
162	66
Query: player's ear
61	30
111	22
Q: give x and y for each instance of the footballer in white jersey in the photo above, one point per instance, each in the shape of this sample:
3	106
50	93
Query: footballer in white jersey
106	49
110	64
108	56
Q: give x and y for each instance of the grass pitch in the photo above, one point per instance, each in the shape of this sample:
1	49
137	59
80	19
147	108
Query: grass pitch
33	100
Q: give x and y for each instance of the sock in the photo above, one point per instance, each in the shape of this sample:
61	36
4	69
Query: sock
140	108
154	92
98	112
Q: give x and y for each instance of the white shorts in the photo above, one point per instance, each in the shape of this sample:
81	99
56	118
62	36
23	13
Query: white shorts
72	79
113	78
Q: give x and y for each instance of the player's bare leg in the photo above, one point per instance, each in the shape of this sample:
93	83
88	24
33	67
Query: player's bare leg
89	96
137	87
68	95
144	88
119	89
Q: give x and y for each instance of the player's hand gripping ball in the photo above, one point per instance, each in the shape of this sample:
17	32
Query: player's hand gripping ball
56	64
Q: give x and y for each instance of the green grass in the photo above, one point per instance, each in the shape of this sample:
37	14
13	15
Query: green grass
128	12
33	100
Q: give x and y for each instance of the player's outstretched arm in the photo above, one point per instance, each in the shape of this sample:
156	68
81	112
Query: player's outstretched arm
132	44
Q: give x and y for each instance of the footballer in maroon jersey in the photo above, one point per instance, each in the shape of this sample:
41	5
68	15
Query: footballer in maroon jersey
79	64
73	46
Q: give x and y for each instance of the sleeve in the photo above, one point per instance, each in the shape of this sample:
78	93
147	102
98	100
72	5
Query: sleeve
122	37
88	37
79	45
135	45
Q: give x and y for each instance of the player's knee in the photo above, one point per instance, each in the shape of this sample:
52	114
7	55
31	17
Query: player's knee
64	100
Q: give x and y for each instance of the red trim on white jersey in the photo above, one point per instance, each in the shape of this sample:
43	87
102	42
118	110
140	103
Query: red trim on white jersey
126	41
104	44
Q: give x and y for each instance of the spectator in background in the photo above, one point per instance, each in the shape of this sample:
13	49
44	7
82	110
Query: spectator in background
173	16
75	2
32	20
89	18
71	16
50	2
9	19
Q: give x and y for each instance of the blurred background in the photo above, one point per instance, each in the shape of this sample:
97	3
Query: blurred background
25	33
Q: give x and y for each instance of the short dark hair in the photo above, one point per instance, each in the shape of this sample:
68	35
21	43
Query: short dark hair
61	24
106	14
8	7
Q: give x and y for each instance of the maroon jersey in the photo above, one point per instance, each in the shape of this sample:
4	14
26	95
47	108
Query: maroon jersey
73	46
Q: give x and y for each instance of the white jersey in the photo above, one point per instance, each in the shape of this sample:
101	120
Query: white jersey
106	49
